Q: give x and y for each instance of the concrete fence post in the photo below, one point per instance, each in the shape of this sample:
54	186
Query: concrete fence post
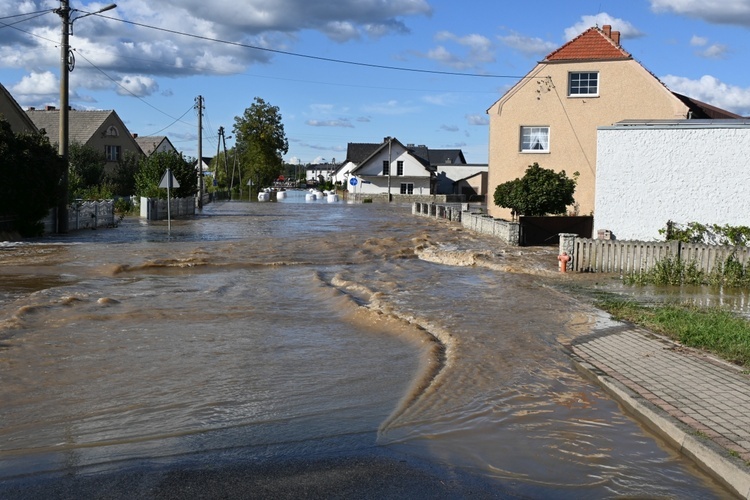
567	245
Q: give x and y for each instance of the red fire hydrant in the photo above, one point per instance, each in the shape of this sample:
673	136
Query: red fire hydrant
563	260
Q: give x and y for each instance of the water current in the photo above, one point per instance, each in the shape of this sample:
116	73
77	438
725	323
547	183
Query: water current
274	331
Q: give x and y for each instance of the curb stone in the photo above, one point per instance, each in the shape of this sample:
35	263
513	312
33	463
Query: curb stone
707	455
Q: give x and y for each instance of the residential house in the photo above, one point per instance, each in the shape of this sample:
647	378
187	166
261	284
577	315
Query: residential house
394	168
550	116
469	180
101	130
702	175
11	112
356	153
154	144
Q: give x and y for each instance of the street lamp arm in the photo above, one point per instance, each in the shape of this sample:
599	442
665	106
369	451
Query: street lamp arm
103	9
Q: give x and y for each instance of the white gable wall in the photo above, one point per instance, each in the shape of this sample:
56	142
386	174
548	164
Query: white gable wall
648	175
414	173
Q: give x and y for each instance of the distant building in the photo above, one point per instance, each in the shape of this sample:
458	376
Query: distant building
154	144
100	130
392	167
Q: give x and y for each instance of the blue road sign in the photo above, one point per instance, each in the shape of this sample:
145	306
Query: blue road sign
353	181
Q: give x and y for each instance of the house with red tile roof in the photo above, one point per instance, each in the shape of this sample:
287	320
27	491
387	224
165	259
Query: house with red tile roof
550	116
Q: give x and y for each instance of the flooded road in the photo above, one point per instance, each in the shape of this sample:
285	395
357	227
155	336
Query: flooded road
265	332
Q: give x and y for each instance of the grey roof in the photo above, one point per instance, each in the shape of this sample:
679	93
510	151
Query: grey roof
149	143
81	124
357	152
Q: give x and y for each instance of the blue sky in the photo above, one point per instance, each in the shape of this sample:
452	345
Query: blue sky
326	64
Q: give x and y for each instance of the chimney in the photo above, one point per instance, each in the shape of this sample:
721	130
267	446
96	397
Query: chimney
135	136
607	29
32	108
616	37
49	108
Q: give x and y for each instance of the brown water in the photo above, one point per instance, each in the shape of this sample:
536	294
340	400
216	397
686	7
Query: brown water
288	330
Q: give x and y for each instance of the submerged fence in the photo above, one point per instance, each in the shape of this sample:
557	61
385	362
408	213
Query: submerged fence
614	256
509	232
84	215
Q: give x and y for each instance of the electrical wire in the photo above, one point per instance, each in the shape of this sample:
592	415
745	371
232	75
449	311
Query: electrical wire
309	56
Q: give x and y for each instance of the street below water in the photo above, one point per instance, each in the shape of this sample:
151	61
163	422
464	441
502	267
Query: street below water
273	333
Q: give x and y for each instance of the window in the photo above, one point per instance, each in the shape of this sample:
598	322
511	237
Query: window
583	84
386	168
535	139
112	131
112	153
407	188
399	168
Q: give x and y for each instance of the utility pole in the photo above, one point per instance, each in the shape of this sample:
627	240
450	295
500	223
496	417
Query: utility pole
67	63
199	107
389	169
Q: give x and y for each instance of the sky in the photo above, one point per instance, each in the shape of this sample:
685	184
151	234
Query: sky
341	71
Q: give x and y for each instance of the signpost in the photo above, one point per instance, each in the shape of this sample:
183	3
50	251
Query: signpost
168	181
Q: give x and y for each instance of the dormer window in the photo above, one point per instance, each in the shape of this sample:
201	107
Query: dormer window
111	131
583	84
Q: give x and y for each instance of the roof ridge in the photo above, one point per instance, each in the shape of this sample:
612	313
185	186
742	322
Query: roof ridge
589	45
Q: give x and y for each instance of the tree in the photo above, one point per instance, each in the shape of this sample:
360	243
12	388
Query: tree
261	143
31	173
87	178
124	176
540	191
152	169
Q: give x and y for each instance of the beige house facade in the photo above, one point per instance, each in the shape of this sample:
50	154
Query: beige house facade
101	130
551	116
11	112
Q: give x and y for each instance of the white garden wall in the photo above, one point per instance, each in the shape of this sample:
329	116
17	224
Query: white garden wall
684	171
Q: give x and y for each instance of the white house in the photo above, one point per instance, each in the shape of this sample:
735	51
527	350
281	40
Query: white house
651	172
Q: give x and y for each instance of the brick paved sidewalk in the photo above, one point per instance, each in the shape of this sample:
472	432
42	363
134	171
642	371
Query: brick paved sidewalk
699	403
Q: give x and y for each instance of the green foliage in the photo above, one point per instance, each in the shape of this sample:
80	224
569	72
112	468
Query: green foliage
152	169
261	143
124	177
31	173
712	329
671	271
714	234
86	169
540	191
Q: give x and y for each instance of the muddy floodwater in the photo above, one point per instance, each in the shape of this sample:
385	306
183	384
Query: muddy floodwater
261	333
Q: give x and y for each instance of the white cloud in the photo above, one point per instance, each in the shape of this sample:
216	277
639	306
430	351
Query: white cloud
713	11
449	128
529	47
343	122
480	120
698	41
119	49
712	91
715	51
45	83
626	29
137	85
473	51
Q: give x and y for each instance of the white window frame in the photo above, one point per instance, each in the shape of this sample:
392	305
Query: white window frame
112	152
535	139
407	188
580	83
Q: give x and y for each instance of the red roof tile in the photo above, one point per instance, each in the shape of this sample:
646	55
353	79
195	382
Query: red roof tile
592	44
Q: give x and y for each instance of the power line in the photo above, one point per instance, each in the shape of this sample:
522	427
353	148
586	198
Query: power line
128	90
308	56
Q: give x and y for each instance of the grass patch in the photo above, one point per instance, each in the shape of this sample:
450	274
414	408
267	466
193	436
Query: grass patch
712	329
730	273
